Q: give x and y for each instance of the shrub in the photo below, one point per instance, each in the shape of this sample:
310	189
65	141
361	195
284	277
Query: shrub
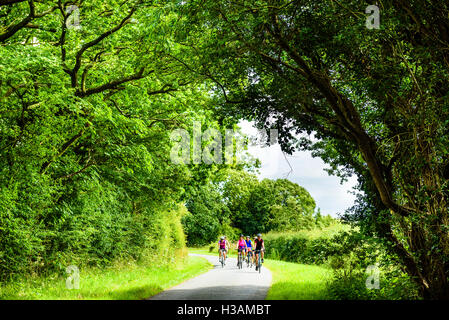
348	252
310	246
349	282
96	225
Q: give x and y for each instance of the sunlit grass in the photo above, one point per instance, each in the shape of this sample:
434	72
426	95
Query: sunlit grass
293	281
130	282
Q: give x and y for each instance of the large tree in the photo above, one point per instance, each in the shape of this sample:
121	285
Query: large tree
377	100
86	108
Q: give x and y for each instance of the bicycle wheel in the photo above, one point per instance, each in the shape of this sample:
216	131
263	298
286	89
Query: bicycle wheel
260	263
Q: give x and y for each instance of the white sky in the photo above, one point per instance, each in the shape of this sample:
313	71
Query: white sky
330	196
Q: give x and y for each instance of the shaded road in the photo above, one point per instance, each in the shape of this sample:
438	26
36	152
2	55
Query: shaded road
228	283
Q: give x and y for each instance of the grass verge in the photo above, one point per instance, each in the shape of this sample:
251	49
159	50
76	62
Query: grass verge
130	282
293	281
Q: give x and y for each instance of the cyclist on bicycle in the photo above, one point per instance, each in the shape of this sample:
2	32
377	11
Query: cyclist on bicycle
241	246
249	248
222	248
260	247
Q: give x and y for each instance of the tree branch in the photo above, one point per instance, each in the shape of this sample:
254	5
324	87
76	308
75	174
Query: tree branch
111	85
64	148
79	54
11	30
9	2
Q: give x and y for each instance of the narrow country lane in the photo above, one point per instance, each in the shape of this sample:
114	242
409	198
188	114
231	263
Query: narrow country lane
228	283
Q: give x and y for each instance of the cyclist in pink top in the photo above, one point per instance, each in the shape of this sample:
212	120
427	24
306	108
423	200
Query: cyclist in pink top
222	247
241	246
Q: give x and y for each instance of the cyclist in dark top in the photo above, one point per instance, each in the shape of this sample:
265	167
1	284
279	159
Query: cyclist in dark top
259	249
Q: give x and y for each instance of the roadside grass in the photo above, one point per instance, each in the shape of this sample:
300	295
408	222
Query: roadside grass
126	282
290	281
294	281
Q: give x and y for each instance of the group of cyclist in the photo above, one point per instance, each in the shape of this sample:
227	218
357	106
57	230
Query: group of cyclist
244	247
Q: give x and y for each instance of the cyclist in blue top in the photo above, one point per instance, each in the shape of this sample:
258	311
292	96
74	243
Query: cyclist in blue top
249	248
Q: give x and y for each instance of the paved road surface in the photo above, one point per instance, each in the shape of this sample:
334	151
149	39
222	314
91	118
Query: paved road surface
228	283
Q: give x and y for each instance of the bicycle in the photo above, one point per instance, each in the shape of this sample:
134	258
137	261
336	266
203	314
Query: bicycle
222	258
259	260
249	260
240	260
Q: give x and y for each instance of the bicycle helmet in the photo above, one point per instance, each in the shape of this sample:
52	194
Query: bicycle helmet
222	238
259	235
